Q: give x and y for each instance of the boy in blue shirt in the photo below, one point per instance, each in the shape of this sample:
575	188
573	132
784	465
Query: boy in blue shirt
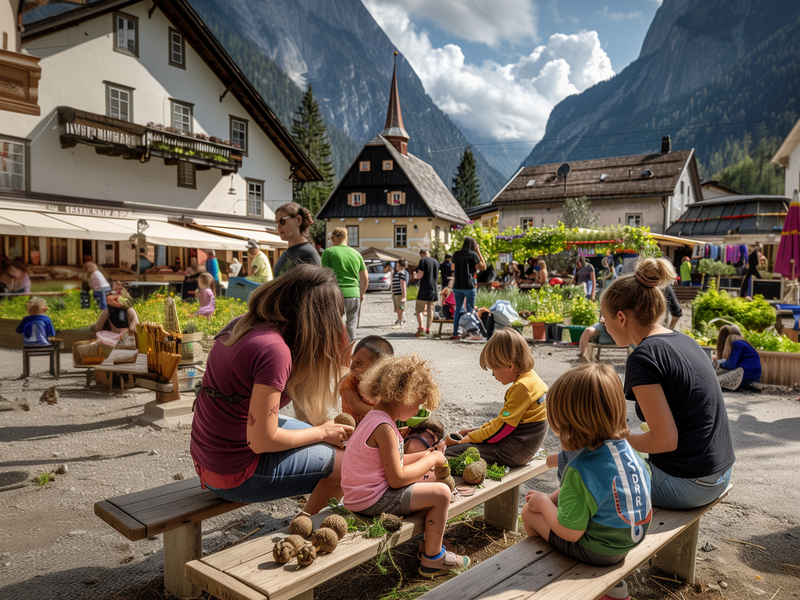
36	328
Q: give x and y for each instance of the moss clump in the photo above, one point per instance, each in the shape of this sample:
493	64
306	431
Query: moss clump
442	471
391	523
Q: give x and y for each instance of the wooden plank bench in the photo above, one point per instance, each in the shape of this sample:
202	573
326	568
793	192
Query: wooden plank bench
248	571
441	322
595	348
533	569
177	510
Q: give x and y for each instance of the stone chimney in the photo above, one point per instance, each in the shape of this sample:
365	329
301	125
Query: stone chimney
666	144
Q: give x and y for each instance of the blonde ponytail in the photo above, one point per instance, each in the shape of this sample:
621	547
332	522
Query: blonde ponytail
640	293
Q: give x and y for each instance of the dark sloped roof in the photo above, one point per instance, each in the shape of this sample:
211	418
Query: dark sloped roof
426	181
729	214
623	178
481	209
181	14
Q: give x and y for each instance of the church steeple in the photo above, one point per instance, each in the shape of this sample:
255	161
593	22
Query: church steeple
393	130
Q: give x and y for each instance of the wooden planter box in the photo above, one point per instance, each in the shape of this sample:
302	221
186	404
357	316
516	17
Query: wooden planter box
10	339
780	368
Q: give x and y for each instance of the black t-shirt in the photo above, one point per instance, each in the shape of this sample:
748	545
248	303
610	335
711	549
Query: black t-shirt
301	253
428	290
464	267
584	275
673	306
676	363
446	269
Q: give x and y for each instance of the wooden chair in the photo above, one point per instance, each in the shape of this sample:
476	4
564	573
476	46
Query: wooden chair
52	351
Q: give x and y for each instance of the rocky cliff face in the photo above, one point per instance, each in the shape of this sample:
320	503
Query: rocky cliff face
338	48
709	71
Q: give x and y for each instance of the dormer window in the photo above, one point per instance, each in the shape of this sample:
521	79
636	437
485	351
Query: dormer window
356	199
363	166
396	198
388	165
177	50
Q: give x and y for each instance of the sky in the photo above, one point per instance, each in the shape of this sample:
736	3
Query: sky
498	68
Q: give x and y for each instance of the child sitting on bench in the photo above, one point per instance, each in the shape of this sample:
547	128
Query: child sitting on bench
36	328
377	477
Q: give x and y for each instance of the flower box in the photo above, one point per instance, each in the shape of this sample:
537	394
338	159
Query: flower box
9	338
780	368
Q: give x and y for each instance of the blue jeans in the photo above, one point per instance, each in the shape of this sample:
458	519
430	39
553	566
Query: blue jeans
679	493
470	295
285	473
100	297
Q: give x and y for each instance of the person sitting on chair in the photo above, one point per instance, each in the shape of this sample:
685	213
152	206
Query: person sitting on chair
596	333
37	328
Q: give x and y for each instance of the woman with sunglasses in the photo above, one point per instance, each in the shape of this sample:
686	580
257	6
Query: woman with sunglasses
293	222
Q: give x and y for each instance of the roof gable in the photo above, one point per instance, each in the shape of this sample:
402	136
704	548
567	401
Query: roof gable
784	152
624	177
184	18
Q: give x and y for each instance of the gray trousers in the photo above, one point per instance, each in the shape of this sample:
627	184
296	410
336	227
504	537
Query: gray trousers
351	306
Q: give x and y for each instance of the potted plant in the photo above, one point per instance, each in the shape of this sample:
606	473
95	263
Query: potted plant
518	326
583	314
537	328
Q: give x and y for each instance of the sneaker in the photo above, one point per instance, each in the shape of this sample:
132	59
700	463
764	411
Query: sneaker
397	323
732	379
420	333
448	546
442	565
618	592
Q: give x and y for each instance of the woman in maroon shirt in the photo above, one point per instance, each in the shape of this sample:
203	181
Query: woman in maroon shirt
286	348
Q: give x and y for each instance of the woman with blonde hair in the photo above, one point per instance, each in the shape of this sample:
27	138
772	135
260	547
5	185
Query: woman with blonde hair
675	389
286	348
293	221
737	363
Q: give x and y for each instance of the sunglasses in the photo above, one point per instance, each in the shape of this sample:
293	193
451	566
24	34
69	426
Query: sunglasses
282	220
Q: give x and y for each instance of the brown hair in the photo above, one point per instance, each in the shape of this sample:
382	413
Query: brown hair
293	209
340	233
404	380
725	338
640	293
376	345
586	406
306	306
506	347
206	278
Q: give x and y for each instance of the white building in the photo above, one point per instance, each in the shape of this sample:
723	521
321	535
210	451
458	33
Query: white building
143	115
788	156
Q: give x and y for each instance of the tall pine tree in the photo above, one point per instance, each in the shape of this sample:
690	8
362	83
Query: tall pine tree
309	132
466	187
578	213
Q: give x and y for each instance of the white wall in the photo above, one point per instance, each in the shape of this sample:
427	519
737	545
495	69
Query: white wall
8	24
76	62
792	181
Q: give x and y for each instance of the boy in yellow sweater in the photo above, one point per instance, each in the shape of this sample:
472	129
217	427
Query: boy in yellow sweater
517	433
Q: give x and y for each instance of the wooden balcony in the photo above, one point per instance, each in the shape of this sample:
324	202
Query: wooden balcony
113	137
19	82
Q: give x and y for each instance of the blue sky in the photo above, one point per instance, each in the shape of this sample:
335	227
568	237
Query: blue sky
498	68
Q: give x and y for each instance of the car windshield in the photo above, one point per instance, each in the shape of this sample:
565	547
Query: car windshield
375	268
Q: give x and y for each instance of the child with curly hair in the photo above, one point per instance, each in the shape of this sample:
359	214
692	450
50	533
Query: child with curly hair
378	478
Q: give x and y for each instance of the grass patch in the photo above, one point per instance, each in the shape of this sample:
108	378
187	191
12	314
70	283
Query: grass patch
43	479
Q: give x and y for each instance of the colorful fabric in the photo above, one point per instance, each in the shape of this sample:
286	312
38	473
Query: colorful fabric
35	330
346	264
606	493
524	403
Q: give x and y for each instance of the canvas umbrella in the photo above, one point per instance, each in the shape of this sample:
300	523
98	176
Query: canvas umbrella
787	260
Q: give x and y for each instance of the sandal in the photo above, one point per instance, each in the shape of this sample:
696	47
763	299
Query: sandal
441	565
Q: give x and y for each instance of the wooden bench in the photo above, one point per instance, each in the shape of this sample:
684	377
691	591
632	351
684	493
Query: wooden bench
248	571
441	322
595	348
177	510
533	569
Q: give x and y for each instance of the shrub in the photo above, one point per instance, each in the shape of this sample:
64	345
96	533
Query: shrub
583	312
756	314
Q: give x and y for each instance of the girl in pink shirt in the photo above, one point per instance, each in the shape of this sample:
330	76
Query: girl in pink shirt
377	478
205	295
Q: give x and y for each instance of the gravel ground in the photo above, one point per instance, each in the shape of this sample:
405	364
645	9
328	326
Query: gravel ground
52	545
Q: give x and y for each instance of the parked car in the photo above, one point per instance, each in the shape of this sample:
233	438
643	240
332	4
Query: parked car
378	280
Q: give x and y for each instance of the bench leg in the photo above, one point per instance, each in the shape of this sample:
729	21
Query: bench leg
503	510
679	557
307	595
182	545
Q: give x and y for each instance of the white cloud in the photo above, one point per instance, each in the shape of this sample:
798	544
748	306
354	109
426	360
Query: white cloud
616	16
492	101
472	20
657	1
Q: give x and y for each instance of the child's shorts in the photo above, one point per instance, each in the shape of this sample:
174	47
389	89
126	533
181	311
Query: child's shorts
394	502
399	303
578	552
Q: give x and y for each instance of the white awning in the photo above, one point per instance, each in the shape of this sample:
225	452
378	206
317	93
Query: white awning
243	230
34	223
161	233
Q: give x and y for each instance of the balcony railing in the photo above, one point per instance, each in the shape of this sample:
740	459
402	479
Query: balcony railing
114	137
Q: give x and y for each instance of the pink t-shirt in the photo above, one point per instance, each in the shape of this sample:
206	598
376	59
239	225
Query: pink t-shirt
219	429
207	301
363	478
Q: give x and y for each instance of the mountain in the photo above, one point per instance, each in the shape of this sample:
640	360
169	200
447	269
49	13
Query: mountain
338	48
713	74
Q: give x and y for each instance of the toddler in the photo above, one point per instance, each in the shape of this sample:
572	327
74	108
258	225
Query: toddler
36	328
399	287
367	351
205	295
602	509
100	287
517	433
378	478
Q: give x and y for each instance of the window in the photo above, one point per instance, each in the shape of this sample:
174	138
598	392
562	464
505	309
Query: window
255	198
182	117
681	188
388	165
356	199
634	220
177	50
126	34
186	175
400	236
12	165
239	134
363	165
527	224
395	198
119	102
352	236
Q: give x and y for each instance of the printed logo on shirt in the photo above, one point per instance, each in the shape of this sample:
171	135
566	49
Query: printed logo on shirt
637	509
506	413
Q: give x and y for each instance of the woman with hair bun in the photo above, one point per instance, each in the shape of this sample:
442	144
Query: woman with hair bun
675	389
293	222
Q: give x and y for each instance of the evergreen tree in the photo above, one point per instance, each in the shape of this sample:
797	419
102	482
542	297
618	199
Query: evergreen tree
578	213
466	187
309	132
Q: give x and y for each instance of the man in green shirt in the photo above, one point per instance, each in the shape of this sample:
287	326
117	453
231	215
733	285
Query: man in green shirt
260	270
351	274
686	271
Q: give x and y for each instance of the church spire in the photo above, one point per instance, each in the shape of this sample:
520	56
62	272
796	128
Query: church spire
393	130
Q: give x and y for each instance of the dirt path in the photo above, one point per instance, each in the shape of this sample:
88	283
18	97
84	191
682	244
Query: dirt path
52	545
